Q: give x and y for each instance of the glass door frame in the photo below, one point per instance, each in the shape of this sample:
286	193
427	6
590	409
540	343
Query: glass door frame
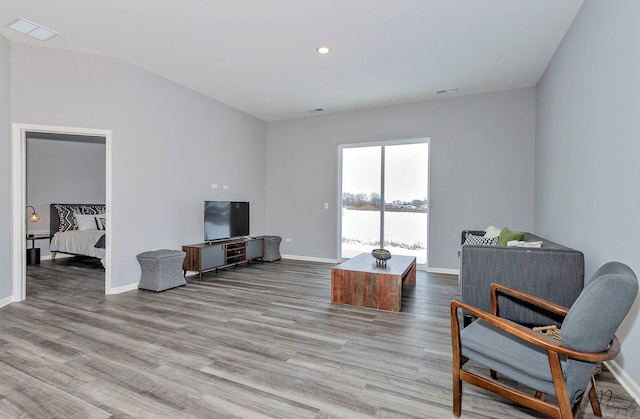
383	144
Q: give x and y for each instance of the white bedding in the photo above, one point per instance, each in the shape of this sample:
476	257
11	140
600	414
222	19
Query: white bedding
78	242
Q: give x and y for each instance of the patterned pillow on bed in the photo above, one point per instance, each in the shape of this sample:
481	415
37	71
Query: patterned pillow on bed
93	209
101	222
67	218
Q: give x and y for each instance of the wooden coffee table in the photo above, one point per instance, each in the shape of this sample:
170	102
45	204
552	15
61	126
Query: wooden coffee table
361	282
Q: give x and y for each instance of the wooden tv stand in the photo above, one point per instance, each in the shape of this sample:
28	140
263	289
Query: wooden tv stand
204	257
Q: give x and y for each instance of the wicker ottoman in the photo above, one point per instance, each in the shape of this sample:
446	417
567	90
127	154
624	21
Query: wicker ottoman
271	247
161	269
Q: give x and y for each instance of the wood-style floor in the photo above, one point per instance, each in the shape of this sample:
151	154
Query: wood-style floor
258	341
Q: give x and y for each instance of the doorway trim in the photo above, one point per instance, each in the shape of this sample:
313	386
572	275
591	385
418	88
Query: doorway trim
18	200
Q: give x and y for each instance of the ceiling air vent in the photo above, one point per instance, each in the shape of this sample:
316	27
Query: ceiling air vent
32	29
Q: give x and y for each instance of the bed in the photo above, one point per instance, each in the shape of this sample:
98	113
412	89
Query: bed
78	229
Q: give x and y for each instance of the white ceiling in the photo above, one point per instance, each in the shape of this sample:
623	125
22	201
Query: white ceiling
259	55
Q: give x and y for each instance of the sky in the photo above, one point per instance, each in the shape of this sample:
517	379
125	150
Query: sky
406	171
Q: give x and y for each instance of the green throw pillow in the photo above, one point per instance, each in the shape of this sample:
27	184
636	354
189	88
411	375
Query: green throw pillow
507	235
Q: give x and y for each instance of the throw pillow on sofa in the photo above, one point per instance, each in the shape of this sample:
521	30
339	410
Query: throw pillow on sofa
507	235
492	231
473	239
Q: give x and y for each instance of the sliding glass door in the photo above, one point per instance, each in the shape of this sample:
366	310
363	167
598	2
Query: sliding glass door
384	194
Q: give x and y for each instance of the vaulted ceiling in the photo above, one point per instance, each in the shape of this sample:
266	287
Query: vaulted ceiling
260	57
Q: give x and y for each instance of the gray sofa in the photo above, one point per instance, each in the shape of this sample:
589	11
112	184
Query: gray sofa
553	272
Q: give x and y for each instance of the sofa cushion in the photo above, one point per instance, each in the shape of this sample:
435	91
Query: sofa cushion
507	235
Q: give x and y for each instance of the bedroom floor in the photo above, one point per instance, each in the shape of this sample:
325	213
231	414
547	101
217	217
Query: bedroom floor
78	275
258	341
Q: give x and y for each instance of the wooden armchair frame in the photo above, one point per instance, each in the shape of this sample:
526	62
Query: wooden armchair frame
555	349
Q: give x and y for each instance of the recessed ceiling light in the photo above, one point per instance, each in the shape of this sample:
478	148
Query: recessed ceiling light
446	91
323	49
32	29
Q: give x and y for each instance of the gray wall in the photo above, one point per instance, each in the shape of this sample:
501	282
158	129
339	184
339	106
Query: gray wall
5	170
169	144
587	146
481	155
62	171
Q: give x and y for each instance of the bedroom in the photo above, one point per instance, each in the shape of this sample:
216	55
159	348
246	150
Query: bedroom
62	169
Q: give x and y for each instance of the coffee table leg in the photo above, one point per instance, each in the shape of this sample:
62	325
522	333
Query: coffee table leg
410	277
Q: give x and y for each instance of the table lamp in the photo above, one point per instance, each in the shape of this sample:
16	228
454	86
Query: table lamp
33	217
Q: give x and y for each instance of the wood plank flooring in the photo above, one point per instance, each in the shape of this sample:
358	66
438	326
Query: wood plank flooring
261	341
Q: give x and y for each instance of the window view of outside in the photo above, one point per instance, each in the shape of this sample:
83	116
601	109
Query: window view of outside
361	168
401	207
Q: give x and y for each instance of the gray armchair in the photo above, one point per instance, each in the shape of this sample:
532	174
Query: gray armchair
562	369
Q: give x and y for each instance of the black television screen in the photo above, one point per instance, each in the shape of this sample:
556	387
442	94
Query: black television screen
225	219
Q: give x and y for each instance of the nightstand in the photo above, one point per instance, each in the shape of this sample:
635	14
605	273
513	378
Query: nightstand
33	254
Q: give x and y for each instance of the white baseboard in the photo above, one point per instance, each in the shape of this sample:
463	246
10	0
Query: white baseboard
309	258
6	301
443	271
624	379
124	288
326	260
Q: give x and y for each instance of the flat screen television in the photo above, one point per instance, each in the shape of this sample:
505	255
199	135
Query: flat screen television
225	219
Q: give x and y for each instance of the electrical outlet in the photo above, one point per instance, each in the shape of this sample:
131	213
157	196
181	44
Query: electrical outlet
225	187
326	205
214	186
289	240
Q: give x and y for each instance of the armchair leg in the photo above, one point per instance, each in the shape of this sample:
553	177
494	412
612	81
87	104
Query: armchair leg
457	385
593	398
457	394
562	397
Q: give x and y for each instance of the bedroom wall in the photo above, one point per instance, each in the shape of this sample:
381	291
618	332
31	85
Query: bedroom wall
481	155
62	171
169	144
587	147
5	172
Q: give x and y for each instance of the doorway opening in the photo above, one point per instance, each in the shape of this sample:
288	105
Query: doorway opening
20	134
384	195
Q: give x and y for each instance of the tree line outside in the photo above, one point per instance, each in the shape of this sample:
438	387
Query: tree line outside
373	202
